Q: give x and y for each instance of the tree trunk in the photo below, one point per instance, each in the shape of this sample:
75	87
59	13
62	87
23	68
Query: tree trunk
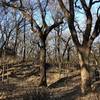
43	81
68	54
24	51
1	50
85	69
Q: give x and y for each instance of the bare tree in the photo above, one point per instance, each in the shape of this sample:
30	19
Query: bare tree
84	48
43	32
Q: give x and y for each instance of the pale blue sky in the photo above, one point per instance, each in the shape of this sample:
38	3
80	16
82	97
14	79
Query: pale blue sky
79	16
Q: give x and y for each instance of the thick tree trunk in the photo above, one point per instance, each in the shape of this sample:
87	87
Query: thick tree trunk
85	69
43	81
1	50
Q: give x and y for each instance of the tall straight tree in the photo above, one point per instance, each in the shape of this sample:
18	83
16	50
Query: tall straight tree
83	48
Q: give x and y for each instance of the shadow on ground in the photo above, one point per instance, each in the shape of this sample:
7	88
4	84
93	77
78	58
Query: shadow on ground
71	94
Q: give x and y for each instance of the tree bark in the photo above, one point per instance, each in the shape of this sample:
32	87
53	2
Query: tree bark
43	81
68	54
24	50
85	47
83	53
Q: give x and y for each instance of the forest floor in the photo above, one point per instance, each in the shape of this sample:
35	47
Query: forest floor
20	82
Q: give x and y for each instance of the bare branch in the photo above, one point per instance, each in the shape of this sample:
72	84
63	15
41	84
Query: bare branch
88	22
47	1
95	2
21	4
66	12
25	13
80	30
43	13
91	3
84	5
96	31
66	44
53	26
70	17
77	5
98	11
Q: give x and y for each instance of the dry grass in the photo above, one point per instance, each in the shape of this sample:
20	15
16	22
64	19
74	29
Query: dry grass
22	81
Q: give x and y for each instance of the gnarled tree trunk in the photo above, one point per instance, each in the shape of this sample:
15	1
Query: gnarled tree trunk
88	38
83	53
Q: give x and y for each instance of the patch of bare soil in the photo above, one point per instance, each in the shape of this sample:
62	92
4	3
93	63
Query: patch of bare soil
22	84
